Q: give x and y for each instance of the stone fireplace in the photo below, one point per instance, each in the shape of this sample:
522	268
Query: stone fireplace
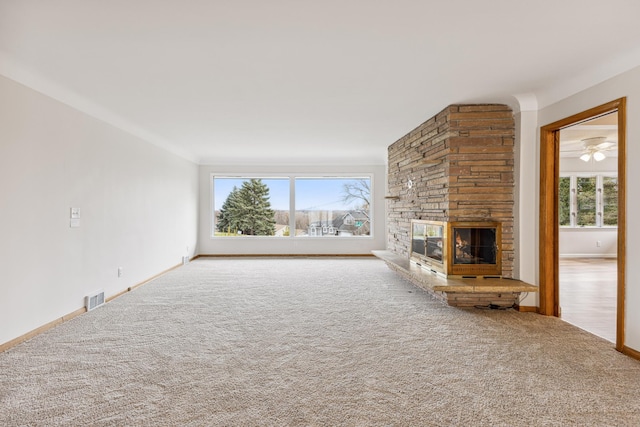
457	168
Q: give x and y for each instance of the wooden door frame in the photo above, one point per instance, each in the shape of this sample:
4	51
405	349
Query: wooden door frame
549	227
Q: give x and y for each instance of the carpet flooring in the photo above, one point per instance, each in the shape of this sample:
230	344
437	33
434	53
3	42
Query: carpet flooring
311	342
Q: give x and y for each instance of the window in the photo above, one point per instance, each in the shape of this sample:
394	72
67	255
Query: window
291	206
588	201
333	206
250	206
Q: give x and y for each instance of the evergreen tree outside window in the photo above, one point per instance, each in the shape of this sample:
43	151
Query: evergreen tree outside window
564	201
246	206
586	201
610	201
226	222
253	209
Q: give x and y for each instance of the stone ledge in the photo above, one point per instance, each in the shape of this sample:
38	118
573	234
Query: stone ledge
459	292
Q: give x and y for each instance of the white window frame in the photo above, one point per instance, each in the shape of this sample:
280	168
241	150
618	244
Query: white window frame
573	198
292	206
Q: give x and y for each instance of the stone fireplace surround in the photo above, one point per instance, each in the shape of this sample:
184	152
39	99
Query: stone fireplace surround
456	166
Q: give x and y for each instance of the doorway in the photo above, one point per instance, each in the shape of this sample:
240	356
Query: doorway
550	211
588	218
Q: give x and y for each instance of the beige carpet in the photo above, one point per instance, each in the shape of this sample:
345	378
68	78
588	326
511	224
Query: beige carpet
311	342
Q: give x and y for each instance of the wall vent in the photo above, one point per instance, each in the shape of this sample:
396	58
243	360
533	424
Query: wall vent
94	300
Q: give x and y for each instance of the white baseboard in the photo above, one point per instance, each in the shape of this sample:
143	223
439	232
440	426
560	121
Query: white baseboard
589	255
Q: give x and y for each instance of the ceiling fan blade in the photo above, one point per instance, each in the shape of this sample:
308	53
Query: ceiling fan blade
605	145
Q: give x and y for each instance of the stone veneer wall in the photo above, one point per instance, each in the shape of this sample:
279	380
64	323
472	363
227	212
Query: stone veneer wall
461	165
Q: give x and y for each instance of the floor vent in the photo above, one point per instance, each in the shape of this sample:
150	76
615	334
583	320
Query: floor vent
94	300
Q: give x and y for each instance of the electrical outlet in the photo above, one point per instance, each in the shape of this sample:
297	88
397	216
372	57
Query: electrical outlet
598	243
119	271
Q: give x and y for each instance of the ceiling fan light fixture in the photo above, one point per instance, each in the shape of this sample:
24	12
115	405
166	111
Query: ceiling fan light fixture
598	156
585	157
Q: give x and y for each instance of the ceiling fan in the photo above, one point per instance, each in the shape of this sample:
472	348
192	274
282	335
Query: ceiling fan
594	148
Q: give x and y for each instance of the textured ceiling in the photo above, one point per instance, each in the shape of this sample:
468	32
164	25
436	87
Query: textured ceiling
300	82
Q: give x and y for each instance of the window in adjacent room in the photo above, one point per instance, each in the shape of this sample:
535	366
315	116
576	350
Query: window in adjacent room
588	201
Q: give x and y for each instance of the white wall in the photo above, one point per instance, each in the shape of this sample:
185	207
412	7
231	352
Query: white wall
291	245
138	206
526	210
626	84
588	242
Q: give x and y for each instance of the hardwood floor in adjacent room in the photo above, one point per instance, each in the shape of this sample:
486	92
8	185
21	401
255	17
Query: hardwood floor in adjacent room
588	288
